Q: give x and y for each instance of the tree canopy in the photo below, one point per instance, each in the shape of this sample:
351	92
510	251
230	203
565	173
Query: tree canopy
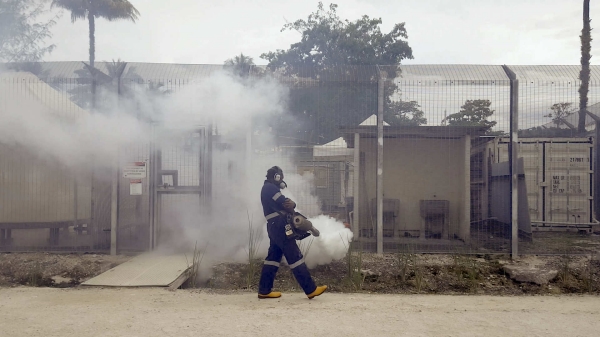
404	113
560	111
328	41
335	64
23	33
240	64
473	113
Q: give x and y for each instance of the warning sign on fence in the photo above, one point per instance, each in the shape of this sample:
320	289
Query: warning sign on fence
136	170
135	187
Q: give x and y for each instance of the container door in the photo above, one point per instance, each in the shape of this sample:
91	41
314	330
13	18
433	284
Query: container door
568	174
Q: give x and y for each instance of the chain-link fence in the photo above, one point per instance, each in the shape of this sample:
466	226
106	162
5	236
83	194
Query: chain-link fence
415	157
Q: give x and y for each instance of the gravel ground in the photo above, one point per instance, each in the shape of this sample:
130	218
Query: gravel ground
31	312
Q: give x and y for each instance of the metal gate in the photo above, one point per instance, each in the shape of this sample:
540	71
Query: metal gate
173	171
181	179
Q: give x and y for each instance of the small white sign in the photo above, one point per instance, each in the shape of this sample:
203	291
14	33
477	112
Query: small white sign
135	187
135	170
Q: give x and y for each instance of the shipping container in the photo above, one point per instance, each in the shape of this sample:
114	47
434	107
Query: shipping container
558	176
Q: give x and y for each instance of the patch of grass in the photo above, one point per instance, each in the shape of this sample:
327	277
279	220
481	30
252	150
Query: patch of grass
33	277
404	258
255	236
305	245
194	268
355	278
420	281
473	275
467	271
564	273
587	276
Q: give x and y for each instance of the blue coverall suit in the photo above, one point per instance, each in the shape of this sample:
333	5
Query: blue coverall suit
280	245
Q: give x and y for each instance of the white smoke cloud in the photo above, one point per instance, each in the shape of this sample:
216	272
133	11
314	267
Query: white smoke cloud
72	136
331	245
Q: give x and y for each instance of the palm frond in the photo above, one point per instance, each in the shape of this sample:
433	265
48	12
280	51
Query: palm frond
110	10
78	8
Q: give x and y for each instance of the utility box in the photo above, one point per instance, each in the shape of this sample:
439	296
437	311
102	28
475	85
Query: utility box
391	212
435	215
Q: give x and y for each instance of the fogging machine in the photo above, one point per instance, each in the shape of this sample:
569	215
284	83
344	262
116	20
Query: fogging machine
299	226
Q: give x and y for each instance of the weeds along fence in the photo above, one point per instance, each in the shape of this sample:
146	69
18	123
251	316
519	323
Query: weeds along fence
412	158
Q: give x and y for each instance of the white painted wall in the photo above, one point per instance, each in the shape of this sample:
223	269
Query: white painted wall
416	169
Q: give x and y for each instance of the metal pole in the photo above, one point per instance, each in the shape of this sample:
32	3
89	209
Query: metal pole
356	190
381	87
249	169
114	204
466	232
596	173
514	160
113	210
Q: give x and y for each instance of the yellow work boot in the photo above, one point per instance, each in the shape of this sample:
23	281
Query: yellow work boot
272	294
317	292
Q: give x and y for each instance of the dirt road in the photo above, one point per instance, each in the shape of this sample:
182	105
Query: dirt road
49	312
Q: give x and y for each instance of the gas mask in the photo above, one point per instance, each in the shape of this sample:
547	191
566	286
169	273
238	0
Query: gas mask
275	174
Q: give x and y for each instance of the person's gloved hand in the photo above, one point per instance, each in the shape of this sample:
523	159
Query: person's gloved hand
289	205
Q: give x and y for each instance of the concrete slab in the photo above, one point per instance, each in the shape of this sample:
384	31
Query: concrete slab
146	270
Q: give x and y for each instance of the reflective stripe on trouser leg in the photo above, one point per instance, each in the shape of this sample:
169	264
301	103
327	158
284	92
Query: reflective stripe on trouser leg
269	269
271	263
299	269
297	264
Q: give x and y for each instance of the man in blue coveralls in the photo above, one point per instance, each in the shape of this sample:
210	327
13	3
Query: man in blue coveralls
276	207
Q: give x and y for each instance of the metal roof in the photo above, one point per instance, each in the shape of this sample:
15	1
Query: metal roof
164	71
422	131
18	89
457	72
65	70
553	73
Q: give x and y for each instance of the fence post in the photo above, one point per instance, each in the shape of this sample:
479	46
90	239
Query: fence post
356	189
114	199
380	97
596	171
513	158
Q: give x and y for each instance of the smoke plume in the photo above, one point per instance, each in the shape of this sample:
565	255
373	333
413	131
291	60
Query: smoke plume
71	136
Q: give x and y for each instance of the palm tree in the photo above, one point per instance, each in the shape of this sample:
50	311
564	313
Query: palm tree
584	75
240	65
110	10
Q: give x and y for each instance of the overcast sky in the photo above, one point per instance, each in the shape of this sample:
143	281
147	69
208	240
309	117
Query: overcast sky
440	31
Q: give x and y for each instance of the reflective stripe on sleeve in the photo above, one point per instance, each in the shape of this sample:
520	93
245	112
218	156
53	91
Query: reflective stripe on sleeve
276	196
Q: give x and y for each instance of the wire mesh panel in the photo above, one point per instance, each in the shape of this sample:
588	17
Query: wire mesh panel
439	168
182	172
559	158
435	189
134	199
47	184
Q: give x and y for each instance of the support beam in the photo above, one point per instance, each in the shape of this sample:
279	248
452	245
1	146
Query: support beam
513	158
114	204
114	208
380	98
356	188
466	203
596	173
